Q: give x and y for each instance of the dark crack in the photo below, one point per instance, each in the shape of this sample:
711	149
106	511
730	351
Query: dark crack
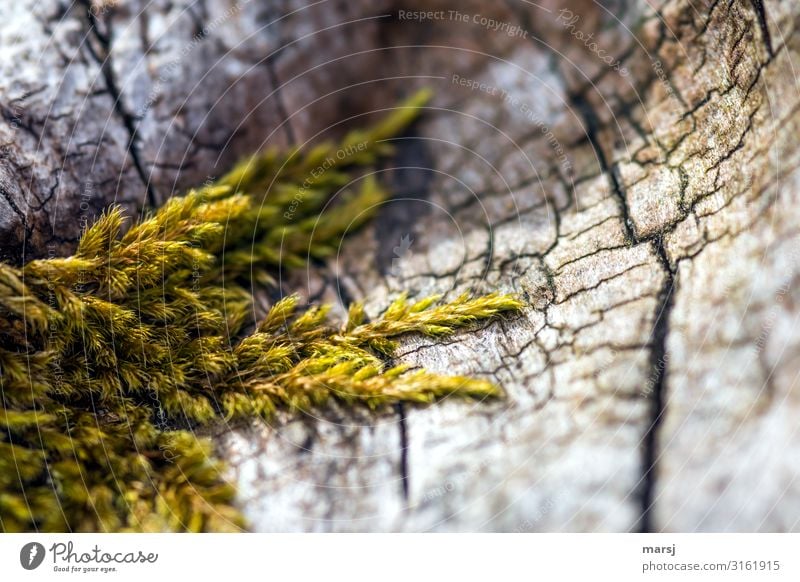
410	177
128	119
280	103
659	364
758	6
403	425
592	127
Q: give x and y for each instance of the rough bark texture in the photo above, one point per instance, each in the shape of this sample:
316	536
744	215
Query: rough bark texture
646	209
130	102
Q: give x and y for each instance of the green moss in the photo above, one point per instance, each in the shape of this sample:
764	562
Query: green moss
111	357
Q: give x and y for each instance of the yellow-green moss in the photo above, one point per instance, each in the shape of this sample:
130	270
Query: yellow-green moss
110	357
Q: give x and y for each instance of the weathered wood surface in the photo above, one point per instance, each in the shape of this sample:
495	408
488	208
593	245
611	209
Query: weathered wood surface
648	215
129	102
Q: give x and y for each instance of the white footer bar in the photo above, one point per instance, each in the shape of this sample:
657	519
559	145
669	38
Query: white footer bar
390	557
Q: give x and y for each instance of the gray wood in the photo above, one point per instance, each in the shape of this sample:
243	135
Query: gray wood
648	218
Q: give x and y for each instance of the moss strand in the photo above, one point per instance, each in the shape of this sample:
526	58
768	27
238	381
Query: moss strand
111	357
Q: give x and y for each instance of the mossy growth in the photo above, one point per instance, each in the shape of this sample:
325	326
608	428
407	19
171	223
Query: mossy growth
112	357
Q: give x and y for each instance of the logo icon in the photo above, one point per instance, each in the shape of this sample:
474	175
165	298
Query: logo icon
401	254
31	555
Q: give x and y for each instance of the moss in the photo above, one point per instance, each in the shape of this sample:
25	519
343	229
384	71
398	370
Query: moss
111	357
